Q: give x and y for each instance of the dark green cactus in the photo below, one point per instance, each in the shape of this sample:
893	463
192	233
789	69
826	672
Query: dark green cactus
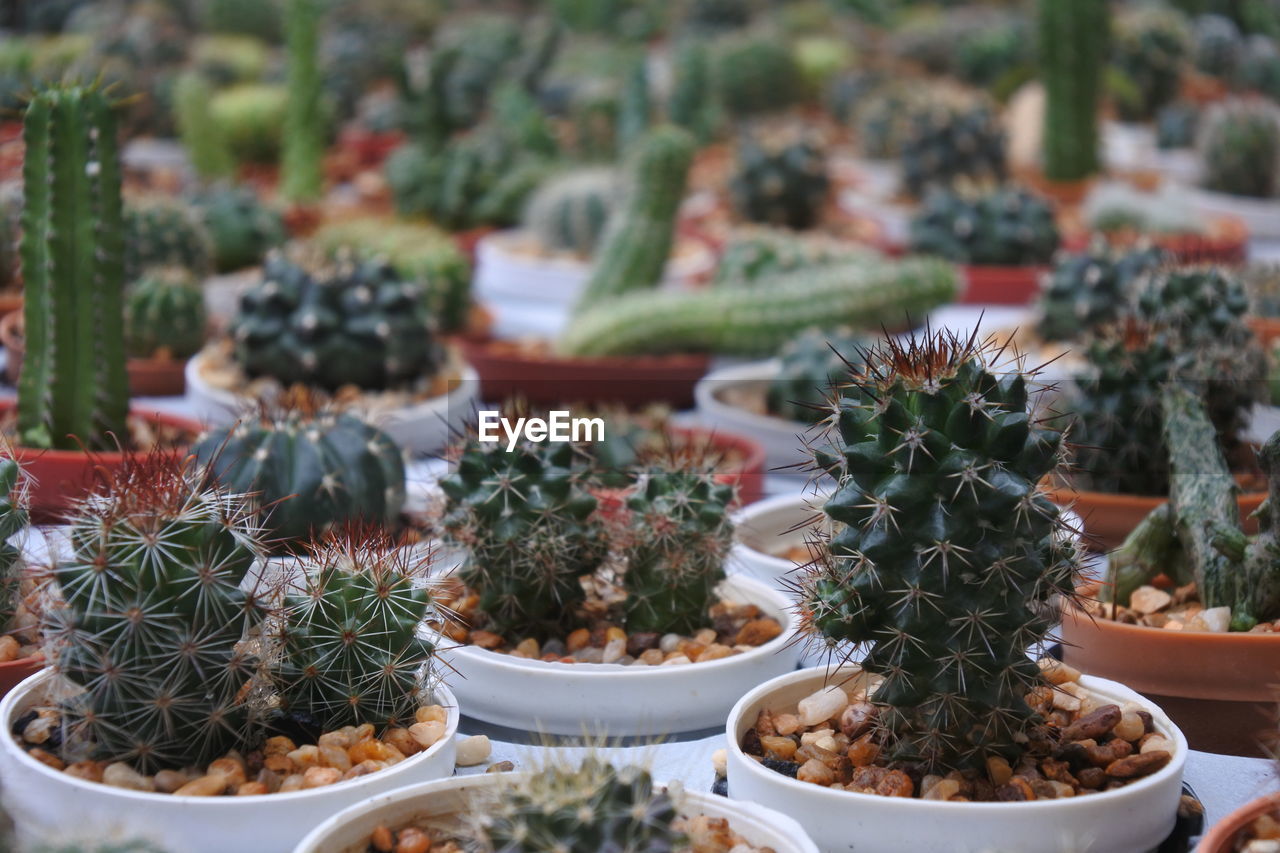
883	121
1217	44
569	212
781	182
755	74
241	228
155	620
1239	145
353	322
677	542
952	142
948	555
1007	227
13	520
73	391
301	165
692	103
1072	58
529	529
1151	45
164	315
809	366
162	232
1091	288
312	471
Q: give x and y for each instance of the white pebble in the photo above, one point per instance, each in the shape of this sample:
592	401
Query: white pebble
1148	599
826	742
823	705
1216	619
427	734
720	760
614	650
122	775
1262	845
678	659
669	643
1158	743
474	750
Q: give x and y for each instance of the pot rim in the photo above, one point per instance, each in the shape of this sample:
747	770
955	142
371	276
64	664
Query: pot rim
1237	640
1222	832
8	709
676	363
709	388
752	512
193	427
753	454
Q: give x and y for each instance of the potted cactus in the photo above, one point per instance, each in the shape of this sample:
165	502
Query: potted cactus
944	564
1239	147
1089	289
295	699
19	656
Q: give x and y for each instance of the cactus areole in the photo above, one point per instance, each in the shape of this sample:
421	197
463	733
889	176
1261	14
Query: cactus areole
946	557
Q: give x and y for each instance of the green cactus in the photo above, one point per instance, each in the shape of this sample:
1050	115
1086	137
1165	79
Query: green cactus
162	232
781	182
692	104
1239	145
1072	55
225	60
241	228
1217	44
938	464
1151	45
594	116
568	213
1006	227
756	74
1090	289
756	321
353	322
13	520
251	116
301	165
755	253
246	17
164	315
810	365
949	143
155	619
1176	125
1258	66
635	108
314	471
73	391
709	17
529	530
638	238
201	136
10	234
351	650
883	121
16	60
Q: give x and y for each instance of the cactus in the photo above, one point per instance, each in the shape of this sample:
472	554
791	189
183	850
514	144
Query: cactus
952	142
756	321
634	107
1072	46
241	228
251	116
1176	125
1262	283
1258	66
155	619
164	315
780	181
755	75
73	391
593	113
883	121
225	60
691	104
1150	46
938	461
13	520
350	649
1217	43
163	232
301	167
10	234
313	470
1006	227
810	365
1239	144
247	17
201	136
568	213
1090	289
639	235
354	322
709	17
679	537
529	529
755	254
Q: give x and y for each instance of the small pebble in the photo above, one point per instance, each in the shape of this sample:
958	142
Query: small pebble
474	750
319	777
121	775
10	649
823	705
427	734
500	767
210	785
1148	599
1216	619
614	650
669	643
720	760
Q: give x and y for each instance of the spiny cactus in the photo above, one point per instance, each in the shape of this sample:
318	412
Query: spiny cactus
251	116
1217	43
692	101
1091	288
756	74
301	167
13	520
780	181
952	142
948	555
568	213
883	121
73	388
1261	281
635	107
312	469
756	320
240	227
162	232
1072	53
154	628
638	238
679	537
351	322
225	59
1007	227
529	530
164	315
1239	144
200	134
350	648
754	253
1150	46
810	365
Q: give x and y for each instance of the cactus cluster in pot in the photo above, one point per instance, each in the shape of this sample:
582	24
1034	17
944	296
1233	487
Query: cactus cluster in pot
1089	289
780	180
241	227
161	232
1009	226
568	213
1239	145
757	253
952	141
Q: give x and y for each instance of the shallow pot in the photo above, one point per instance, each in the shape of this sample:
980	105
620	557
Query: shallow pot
420	428
1221	836
1218	688
1260	215
349	831
782	440
766	527
47	805
992	285
565	698
1132	819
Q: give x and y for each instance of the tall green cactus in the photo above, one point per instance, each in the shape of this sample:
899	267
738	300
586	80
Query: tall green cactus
692	101
1072	59
301	167
203	137
635	107
74	387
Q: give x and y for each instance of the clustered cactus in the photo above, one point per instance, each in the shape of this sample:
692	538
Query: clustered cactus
756	253
780	182
1090	289
568	213
951	142
1239	144
1006	227
948	555
164	315
810	365
13	520
1072	51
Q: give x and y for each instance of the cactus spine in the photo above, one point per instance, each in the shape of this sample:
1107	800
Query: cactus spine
301	167
948	554
1072	55
201	135
164	315
73	387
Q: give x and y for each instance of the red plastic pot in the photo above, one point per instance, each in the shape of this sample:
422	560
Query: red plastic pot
985	285
14	671
1227	242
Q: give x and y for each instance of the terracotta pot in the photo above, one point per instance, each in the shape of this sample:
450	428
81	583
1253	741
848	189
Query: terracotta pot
1218	688
15	671
1226	241
988	285
507	371
1267	329
58	477
469	239
10	303
1108	518
1063	193
1221	837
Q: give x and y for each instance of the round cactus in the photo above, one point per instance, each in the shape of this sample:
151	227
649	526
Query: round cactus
1239	144
164	315
251	116
780	182
1150	46
1217	43
569	212
809	365
756	74
242	229
1008	227
164	233
1089	289
1258	66
949	142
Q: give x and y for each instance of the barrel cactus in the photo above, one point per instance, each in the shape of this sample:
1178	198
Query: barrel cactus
755	74
951	142
780	181
1091	288
1006	227
1239	144
1151	44
241	228
810	365
1217	43
569	212
164	315
165	233
251	116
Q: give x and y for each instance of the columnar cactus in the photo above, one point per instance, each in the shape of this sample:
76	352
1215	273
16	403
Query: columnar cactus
1072	58
164	315
1007	227
1091	288
74	391
312	471
691	104
679	537
301	166
568	213
240	227
200	134
780	182
161	232
949	142
634	107
1239	144
810	366
154	628
948	555
354	322
530	532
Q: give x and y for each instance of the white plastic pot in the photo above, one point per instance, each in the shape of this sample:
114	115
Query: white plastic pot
421	428
48	805
1132	819
1260	215
618	700
767	527
349	831
222	294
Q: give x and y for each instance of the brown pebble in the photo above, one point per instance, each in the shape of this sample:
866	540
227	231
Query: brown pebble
46	757
319	777
278	764
816	772
89	770
857	719
210	785
485	639
168	781
413	840
578	640
1135	766
715	651
1091	777
1103	754
638	644
232	768
500	767
382	840
1018	789
782	748
252	789
998	770
757	632
402	740
9	649
1094	724
895	784
292	782
863	751
281	745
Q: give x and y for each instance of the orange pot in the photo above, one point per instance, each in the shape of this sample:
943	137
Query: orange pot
987	285
1063	193
1267	329
1226	241
1221	837
11	672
